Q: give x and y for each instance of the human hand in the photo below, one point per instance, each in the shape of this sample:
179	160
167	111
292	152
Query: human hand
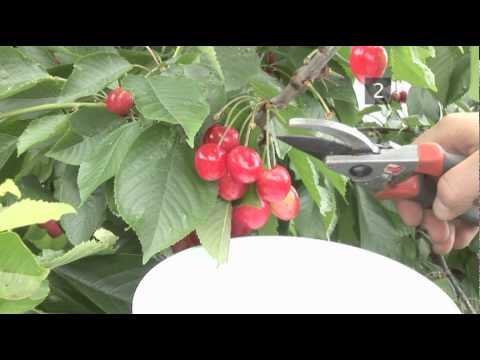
457	189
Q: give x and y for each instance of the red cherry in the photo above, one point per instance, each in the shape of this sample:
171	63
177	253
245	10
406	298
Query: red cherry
230	189
239	229
215	133
187	242
244	164
403	96
209	131
52	227
273	185
368	61
288	208
251	216
395	96
210	162
119	101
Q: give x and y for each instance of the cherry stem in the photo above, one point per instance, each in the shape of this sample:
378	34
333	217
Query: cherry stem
156	68
277	113
233	122
177	51
274	154
230	113
46	107
309	56
248	122
318	96
155	56
277	69
140	67
222	110
267	145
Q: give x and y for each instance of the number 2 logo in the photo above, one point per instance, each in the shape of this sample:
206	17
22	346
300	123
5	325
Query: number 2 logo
378	93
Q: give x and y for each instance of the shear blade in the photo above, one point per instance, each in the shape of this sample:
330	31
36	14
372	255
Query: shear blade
345	134
318	147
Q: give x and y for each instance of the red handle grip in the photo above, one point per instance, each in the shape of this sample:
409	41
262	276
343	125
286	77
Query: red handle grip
408	189
431	159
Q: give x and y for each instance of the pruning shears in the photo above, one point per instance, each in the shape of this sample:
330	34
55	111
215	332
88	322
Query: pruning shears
391	171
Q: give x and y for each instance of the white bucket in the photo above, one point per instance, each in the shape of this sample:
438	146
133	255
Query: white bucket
287	275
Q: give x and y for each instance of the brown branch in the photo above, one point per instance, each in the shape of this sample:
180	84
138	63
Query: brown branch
461	294
308	72
298	82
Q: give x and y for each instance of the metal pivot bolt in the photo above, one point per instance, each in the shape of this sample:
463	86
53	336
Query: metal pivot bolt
361	170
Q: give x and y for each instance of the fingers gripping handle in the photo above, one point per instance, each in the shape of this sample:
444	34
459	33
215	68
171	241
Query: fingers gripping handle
434	161
426	196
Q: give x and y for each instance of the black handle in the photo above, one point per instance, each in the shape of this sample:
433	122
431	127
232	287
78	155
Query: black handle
428	192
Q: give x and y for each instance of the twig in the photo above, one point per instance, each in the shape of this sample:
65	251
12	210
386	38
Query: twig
154	56
309	72
461	294
298	82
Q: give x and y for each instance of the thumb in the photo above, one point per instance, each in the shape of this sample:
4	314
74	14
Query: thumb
457	189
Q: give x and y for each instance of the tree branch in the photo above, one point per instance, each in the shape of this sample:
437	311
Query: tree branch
308	72
298	82
461	294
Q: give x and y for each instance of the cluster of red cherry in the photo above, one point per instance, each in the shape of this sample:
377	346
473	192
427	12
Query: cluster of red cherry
236	167
399	96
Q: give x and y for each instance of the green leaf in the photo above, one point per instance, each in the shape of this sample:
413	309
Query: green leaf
382	231
172	100
337	180
42	132
80	51
305	169
137	57
251	197
158	192
39	54
73	149
347	112
451	71
42	240
27	304
474	78
207	80
407	65
20	274
110	197
107	281
90	215
235	64
92	73
65	299
347	231
8	145
106	242
264	85
28	212
17	73
270	228
93	121
422	102
214	234
8	186
308	222
446	286
105	162
338	89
